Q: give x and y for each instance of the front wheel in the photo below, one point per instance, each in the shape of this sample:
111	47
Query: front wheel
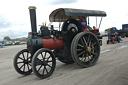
85	49
22	62
43	63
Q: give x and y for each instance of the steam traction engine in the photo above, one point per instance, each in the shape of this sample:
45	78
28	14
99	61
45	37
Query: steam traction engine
68	45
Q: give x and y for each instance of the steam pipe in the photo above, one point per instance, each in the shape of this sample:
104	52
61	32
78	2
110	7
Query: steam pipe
32	11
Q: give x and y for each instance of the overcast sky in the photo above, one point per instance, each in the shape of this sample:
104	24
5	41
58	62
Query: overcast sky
15	19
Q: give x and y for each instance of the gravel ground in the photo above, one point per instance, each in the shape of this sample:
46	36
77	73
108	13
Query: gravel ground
111	68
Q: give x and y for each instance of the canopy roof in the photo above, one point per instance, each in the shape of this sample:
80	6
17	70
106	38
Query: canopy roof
62	14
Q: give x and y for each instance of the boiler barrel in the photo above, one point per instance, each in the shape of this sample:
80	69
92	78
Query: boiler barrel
52	43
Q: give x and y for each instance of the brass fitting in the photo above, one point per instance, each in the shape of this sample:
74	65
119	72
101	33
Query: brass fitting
31	7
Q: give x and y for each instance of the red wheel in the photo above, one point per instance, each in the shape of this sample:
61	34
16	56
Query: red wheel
122	35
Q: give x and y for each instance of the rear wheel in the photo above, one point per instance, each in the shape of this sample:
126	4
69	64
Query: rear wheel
85	49
107	41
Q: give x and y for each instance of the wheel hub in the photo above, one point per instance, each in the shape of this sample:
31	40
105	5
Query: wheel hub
88	49
73	30
26	62
44	63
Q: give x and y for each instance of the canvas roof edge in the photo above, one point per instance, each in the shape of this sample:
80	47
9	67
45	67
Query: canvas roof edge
57	14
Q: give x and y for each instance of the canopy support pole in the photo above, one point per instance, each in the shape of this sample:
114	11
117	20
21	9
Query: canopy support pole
88	20
96	21
100	22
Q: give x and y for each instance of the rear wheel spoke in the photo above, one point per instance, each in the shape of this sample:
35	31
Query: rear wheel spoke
93	44
93	53
79	49
88	39
82	41
80	45
85	59
82	57
89	43
81	53
85	41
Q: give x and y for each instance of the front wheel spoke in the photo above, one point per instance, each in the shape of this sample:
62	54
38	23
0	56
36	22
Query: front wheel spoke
28	67
48	58
49	66
39	68
38	59
42	56
24	68
20	62
21	58
81	53
27	55
29	64
49	61
23	55
21	66
46	69
43	70
45	55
